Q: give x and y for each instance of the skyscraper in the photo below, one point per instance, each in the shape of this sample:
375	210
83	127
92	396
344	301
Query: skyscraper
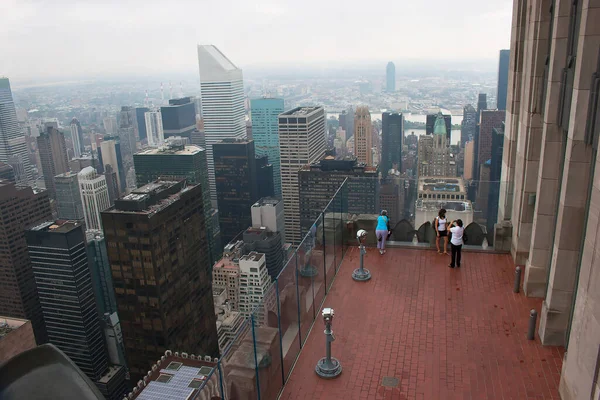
363	136
468	127
390	77
265	133
128	140
179	117
77	138
489	120
13	147
110	125
430	123
94	196
112	183
181	162
63	280
165	297
53	156
434	152
110	154
502	79
222	93
318	183
481	104
392	140
7	172
20	208
60	265
237	191
302	142
154	128
264	177
140	120
68	198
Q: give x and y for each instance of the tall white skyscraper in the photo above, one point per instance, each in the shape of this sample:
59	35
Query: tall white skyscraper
94	195
154	127
301	142
77	137
110	156
222	94
13	147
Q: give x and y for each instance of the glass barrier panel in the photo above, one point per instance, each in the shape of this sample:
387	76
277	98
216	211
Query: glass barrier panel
333	245
317	259
267	347
306	274
289	315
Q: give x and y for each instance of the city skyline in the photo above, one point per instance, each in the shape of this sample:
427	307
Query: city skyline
101	28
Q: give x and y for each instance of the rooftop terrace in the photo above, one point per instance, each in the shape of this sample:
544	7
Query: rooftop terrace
420	330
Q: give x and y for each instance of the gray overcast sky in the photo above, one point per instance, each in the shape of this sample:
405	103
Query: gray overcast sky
46	39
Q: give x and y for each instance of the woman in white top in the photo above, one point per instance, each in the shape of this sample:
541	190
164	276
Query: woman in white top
457	232
441	230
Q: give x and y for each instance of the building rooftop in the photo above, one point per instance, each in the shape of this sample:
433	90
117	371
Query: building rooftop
59	226
420	330
252	256
7	325
437	204
186	150
300	111
174	377
266	201
151	198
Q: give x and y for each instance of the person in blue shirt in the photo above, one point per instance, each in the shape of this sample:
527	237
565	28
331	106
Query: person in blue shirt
382	231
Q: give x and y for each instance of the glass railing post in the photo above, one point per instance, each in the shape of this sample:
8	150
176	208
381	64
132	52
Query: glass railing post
221	380
255	356
280	332
298	302
322	216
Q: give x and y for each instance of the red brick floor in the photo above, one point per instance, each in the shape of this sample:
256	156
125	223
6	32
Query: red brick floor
444	333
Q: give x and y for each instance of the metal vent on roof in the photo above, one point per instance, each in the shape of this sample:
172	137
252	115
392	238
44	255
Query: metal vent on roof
205	370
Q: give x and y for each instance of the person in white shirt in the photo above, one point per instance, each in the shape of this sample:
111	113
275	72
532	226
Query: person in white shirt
456	241
441	230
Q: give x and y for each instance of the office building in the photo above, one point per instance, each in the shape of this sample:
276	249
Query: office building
301	142
179	281
469	160
77	138
175	161
256	296
468	126
430	123
229	322
264	177
347	122
110	154
318	183
7	172
502	79
235	176
53	156
13	146
140	121
489	120
154	128
223	113
226	273
434	154
363	136
60	265
68	197
94	196
265	133
112	184
392	140
16	336
20	208
102	281
79	163
128	141
110	125
179	117
262	240
268	213
481	104
390	77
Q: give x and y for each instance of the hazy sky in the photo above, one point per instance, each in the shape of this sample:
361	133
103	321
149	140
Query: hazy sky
47	39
